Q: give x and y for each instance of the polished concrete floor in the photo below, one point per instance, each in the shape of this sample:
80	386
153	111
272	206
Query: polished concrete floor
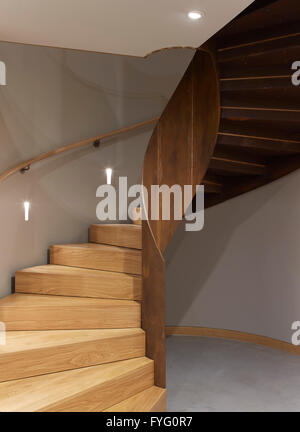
214	375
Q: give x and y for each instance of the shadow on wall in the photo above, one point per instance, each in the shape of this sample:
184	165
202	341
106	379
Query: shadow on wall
241	271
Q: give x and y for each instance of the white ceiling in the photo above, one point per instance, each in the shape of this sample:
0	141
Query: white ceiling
131	27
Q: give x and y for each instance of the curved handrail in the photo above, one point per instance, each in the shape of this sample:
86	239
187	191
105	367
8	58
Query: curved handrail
179	153
96	140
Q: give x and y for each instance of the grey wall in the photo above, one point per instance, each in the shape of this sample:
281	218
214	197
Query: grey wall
54	97
242	271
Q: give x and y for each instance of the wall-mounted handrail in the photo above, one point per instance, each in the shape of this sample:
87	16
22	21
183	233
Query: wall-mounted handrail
24	166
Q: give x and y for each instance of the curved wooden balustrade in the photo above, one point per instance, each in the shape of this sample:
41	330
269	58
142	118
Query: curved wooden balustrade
96	139
179	152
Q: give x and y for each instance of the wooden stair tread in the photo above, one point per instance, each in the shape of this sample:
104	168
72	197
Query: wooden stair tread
262	71
259	48
150	400
79	282
212	187
98	257
123	235
17	341
43	312
260	114
88	389
264	130
31	353
256	83
259	145
230	166
32	301
265	99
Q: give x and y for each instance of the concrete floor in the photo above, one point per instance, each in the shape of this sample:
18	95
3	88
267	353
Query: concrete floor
205	374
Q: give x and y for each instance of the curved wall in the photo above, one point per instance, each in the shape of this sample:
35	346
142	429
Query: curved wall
55	97
242	271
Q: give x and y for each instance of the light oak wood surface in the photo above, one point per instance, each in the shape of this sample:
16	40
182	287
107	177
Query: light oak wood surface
78	282
89	389
99	257
28	353
126	235
37	312
151	400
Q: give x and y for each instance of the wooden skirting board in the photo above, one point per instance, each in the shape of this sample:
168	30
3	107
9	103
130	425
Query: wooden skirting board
233	335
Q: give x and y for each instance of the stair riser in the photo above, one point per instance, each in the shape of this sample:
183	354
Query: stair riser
104	285
68	318
117	235
103	396
116	261
72	356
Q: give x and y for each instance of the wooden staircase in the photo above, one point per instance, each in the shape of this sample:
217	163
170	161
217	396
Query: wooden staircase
77	327
74	336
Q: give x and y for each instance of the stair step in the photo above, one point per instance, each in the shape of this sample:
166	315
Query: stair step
236	167
260	114
150	400
260	145
28	354
212	187
271	99
264	83
129	236
262	130
88	389
244	71
41	312
78	282
256	48
98	257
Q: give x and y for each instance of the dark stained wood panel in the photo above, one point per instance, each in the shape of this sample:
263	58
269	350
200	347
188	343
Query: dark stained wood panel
272	130
179	153
260	48
259	145
273	98
154	304
276	15
271	83
185	137
260	114
234	167
260	109
246	71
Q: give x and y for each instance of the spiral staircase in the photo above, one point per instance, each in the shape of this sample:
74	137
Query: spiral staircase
86	332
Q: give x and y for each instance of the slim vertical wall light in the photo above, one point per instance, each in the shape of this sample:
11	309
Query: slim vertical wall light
26	210
108	175
2	73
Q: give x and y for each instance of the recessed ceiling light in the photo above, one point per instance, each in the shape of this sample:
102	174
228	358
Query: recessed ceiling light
195	15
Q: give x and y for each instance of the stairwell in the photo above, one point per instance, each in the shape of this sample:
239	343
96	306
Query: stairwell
74	340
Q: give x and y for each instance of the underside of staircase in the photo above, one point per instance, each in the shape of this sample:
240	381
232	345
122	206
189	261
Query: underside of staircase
259	135
74	337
